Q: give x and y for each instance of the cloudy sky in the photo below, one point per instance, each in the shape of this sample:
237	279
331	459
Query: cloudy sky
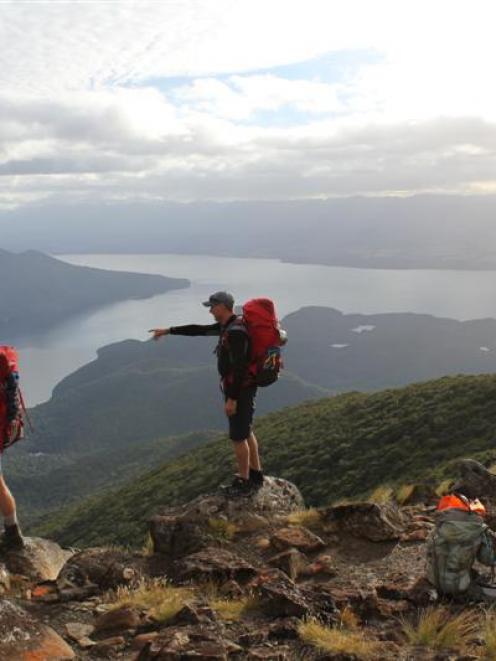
245	99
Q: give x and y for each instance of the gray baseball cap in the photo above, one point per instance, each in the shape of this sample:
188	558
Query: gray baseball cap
220	297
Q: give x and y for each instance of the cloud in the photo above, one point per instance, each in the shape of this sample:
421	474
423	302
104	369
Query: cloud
240	97
181	100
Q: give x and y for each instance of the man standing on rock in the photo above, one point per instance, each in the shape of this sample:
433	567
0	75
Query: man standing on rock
233	361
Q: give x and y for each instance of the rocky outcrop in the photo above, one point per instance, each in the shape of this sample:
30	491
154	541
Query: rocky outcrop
179	531
234	579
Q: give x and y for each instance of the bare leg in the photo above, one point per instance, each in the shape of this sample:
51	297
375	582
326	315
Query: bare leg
254	456
242	452
7	503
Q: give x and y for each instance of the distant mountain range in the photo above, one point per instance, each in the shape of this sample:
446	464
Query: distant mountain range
422	231
338	447
138	392
38	291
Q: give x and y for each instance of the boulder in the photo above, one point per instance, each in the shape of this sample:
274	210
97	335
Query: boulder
475	480
40	559
297	537
177	535
118	619
79	631
377	523
99	569
280	597
214	564
182	530
24	637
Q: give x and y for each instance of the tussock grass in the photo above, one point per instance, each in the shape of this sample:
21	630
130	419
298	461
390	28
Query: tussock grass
338	641
162	601
147	549
403	493
222	529
232	610
444	488
437	629
489	636
348	619
310	518
381	495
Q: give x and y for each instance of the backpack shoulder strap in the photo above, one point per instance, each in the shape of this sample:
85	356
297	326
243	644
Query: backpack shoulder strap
237	324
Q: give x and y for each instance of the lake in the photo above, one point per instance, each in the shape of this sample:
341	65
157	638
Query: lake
48	357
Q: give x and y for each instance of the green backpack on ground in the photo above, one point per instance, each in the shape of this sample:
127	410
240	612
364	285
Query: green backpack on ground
458	539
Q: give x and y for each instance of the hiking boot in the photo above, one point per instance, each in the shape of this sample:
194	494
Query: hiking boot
256	479
238	488
12	539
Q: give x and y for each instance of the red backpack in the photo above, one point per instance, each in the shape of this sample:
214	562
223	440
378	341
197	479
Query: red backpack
11	401
266	337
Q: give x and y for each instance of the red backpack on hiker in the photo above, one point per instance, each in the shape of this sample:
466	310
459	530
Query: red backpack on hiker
266	337
11	400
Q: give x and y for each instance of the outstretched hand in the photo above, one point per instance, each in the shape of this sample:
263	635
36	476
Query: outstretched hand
159	332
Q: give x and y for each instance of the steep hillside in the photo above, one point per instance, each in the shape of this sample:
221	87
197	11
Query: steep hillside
333	448
38	291
43	482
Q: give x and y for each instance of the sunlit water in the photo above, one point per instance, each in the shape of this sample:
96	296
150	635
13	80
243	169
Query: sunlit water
48	357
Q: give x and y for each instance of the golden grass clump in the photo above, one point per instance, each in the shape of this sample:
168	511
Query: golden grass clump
489	636
147	549
338	641
381	495
162	601
222	529
437	629
443	488
233	610
403	493
309	518
348	619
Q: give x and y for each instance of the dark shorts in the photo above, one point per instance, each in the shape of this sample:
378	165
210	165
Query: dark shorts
240	424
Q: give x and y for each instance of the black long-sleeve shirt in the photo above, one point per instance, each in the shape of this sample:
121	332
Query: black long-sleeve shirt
233	354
